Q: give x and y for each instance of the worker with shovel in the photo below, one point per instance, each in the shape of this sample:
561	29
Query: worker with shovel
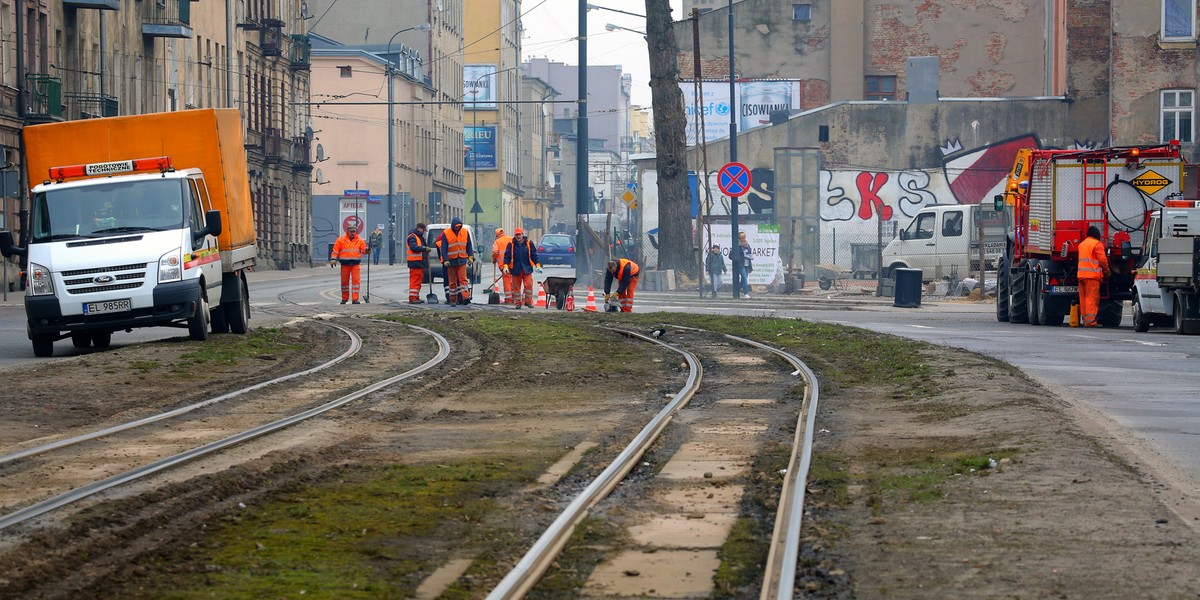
457	250
416	262
498	248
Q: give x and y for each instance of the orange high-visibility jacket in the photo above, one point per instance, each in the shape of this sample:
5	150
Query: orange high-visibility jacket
1093	263
498	247
348	250
455	247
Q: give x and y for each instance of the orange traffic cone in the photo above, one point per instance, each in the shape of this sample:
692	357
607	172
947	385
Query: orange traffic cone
541	303
591	303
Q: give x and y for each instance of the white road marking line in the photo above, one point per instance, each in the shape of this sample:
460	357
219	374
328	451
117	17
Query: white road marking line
1154	344
921	326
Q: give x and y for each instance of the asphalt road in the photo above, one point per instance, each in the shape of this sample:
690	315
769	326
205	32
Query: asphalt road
1148	384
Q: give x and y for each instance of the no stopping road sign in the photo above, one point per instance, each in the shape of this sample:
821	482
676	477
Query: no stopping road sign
734	179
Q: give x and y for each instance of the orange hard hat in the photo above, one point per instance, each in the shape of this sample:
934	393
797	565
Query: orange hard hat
518	231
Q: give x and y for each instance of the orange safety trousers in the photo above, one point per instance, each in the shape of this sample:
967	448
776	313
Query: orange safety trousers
457	278
625	299
1089	301
506	293
415	278
350	282
518	282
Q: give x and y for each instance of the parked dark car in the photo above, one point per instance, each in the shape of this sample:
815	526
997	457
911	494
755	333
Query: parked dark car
557	249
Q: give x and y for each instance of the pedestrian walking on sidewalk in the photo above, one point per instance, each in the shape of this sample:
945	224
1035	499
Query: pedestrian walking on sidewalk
348	250
714	264
375	243
520	261
743	260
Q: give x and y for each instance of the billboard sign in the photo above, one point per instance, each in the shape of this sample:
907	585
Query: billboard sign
479	86
481	147
755	102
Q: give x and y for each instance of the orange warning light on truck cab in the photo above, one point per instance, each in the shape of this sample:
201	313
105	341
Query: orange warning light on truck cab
158	163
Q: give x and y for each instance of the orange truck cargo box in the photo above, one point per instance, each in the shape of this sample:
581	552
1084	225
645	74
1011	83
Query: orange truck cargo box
206	139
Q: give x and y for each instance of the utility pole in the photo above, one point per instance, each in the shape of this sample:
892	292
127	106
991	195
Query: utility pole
22	174
582	267
733	201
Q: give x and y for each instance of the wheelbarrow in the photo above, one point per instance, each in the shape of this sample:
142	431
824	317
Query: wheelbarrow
560	291
830	276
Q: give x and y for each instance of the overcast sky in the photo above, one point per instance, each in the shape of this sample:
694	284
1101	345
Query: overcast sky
552	25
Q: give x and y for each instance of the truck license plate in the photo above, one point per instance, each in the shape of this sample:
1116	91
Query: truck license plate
1064	289
95	308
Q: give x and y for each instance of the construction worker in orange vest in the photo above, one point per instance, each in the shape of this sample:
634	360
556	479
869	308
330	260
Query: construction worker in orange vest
520	260
458	253
626	272
349	250
498	248
416	262
1093	268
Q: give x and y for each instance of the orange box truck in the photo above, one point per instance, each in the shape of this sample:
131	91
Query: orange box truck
138	221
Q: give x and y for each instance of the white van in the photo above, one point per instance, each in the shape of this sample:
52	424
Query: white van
941	240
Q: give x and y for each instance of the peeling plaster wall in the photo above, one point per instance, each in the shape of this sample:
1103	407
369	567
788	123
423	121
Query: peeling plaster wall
1142	67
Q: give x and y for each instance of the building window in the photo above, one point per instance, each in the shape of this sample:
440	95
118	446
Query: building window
880	87
1177	109
346	71
1178	20
801	12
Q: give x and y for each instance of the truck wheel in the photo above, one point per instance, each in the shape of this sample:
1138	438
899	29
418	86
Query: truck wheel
1181	326
238	313
43	345
1111	313
1032	280
199	322
1018	299
1002	293
102	339
1140	323
81	340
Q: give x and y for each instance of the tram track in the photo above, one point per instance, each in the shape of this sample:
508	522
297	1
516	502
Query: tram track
780	572
299	405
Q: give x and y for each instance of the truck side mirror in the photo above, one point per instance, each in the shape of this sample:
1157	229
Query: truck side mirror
6	245
212	219
1126	250
903	234
998	202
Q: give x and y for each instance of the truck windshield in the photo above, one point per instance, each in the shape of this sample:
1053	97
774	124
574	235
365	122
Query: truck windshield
107	208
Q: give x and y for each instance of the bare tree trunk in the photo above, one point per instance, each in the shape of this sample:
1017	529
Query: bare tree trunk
674	200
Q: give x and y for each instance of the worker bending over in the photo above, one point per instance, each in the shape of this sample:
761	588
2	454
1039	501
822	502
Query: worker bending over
520	259
458	252
417	260
349	250
1093	268
625	271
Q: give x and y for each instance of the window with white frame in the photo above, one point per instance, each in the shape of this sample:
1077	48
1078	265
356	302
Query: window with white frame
1178	109
1178	20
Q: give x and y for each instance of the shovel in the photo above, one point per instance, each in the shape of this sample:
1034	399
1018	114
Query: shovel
367	294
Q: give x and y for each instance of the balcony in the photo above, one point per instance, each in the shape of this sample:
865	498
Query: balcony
167	19
254	140
299	52
96	4
91	106
300	153
274	147
270	38
43	98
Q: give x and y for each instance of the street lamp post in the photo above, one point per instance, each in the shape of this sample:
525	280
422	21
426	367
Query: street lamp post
391	139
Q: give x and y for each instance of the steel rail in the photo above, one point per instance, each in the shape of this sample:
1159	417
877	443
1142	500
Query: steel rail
779	576
533	565
355	346
77	494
